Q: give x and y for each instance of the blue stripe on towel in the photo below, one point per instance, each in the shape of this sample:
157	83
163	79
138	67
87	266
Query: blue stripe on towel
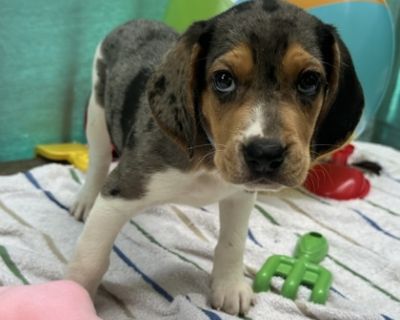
375	225
48	194
385	317
371	222
338	292
391	177
147	279
252	238
211	315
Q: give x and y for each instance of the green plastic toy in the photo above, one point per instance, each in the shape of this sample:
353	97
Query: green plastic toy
301	269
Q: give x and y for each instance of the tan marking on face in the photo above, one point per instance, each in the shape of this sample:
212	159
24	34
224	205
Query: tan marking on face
298	121
297	129
239	61
227	121
297	59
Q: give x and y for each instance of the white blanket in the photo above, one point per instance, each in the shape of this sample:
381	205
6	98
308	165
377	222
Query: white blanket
161	261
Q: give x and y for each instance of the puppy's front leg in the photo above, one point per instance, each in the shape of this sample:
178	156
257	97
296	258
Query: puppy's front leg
91	258
230	291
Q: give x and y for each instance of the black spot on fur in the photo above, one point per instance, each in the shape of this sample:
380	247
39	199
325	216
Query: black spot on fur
150	124
131	102
270	74
255	43
151	96
270	5
171	99
101	82
115	192
178	118
180	126
152	35
160	85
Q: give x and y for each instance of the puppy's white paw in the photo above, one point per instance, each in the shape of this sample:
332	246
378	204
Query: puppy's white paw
84	202
233	296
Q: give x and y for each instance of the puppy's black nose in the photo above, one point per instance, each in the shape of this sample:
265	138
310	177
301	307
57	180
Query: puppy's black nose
264	156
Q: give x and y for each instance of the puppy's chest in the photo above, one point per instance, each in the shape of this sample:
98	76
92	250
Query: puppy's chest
196	189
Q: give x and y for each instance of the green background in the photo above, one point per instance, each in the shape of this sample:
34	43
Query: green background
386	127
46	48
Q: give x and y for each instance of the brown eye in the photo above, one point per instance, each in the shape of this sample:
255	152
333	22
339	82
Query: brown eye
223	82
308	83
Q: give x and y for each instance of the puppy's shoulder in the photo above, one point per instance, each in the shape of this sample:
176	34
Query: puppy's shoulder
137	34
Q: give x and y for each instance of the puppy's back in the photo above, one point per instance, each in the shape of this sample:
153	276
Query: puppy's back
127	57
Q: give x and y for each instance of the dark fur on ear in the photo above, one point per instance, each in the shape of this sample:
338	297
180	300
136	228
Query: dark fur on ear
344	100
175	87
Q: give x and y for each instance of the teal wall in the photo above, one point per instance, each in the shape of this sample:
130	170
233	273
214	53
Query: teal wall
386	127
46	47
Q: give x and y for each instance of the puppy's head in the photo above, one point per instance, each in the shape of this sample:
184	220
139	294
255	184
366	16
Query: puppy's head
271	87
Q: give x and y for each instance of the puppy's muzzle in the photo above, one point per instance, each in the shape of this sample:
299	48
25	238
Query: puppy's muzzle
264	156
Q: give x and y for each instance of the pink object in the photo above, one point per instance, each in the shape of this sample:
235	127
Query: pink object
61	300
336	179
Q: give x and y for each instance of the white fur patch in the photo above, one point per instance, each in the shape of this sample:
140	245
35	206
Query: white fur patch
255	129
193	188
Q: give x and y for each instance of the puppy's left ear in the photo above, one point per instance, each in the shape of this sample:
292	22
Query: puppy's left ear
175	87
344	99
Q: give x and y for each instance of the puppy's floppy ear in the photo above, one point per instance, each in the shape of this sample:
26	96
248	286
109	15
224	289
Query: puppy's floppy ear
175	87
344	99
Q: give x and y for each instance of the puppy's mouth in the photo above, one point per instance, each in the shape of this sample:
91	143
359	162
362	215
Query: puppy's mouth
263	184
256	174
253	181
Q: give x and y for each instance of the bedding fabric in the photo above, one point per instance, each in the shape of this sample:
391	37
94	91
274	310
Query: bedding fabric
162	259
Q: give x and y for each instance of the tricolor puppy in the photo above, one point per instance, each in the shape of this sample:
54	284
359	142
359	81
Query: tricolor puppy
243	102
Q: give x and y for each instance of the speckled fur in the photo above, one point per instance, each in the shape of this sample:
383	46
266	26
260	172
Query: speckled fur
154	91
145	69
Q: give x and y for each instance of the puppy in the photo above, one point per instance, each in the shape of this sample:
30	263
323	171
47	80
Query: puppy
245	101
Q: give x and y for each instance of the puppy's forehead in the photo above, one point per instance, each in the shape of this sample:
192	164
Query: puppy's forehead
268	27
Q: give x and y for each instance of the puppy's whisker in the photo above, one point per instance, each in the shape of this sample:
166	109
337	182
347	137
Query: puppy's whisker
204	158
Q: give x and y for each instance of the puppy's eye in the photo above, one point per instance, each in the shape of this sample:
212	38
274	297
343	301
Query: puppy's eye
223	82
308	83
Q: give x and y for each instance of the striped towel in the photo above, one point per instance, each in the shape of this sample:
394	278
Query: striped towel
161	261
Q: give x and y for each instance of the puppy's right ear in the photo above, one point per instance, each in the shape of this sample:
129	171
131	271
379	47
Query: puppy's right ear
174	88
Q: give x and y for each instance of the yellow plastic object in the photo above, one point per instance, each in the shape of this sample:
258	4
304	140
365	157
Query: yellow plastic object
75	153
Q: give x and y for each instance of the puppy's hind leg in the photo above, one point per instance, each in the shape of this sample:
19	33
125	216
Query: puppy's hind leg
100	154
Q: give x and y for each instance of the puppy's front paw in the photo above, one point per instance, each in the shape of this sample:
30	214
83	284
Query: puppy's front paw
84	202
233	296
